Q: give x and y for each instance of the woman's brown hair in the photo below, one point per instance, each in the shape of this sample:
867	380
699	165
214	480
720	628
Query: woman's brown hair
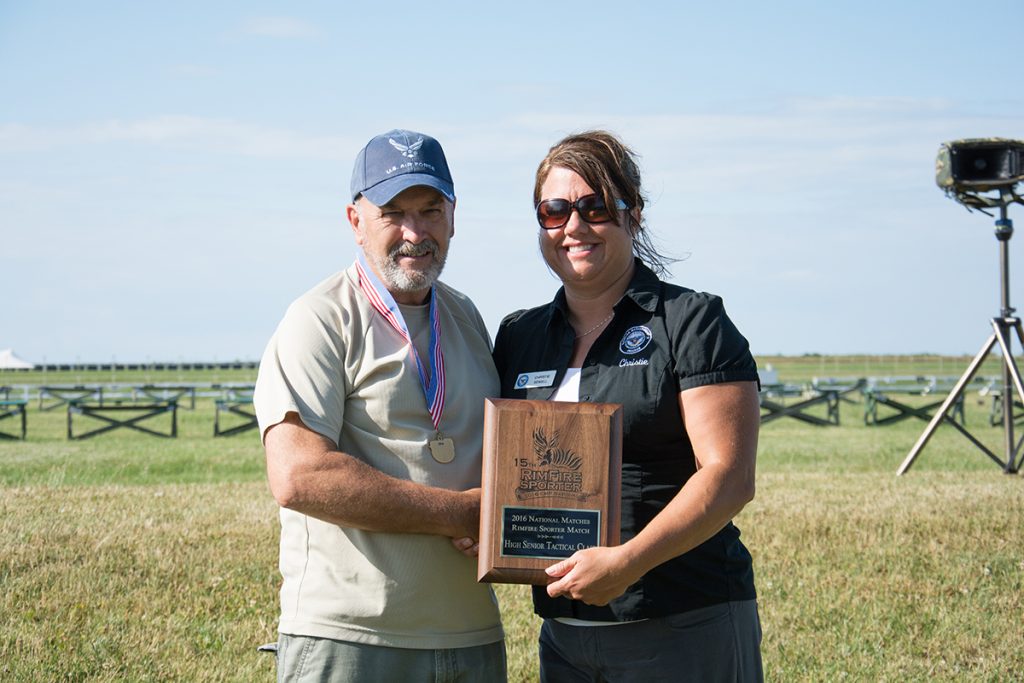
610	167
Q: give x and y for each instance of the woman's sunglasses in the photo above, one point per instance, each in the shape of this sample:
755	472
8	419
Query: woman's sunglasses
554	213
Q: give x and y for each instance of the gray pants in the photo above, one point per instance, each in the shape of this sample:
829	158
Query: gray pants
302	659
721	643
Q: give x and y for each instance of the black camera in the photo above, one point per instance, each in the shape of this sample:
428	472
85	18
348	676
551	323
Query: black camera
979	165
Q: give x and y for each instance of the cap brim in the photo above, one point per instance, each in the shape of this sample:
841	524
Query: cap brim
383	192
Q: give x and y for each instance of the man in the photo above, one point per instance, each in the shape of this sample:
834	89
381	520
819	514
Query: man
370	403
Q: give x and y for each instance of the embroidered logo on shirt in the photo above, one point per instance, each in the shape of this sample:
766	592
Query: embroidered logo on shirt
530	380
635	340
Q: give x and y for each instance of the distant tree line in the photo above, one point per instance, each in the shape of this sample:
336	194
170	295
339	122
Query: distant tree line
55	367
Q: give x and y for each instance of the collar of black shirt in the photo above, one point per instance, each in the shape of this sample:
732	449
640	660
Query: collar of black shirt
644	290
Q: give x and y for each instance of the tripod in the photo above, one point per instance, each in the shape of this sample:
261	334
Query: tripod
1002	326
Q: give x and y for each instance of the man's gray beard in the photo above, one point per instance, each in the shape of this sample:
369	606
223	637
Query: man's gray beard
397	279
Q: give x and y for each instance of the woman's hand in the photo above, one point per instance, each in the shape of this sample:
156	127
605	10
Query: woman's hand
594	575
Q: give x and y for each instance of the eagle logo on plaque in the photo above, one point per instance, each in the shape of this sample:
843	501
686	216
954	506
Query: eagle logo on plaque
548	455
554	472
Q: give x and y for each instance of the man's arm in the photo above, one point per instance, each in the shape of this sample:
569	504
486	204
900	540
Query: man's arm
308	474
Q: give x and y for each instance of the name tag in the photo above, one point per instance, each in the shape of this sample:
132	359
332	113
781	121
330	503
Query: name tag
531	380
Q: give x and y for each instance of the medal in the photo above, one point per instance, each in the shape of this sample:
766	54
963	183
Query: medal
431	377
443	449
432	371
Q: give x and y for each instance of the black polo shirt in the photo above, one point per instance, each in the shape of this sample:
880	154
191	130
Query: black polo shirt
663	339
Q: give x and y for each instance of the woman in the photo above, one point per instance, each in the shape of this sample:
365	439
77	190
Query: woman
675	601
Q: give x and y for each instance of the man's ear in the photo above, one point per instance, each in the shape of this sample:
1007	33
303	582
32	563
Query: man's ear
356	221
451	233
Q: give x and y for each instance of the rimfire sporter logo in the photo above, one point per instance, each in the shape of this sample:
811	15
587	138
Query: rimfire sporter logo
555	472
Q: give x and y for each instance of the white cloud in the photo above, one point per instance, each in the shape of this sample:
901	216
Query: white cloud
280	27
798	139
883	105
824	143
192	71
222	135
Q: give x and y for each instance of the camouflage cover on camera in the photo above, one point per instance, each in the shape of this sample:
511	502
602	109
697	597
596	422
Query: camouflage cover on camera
945	164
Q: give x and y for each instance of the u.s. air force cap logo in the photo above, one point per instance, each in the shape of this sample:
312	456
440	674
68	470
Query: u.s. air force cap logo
635	340
409	151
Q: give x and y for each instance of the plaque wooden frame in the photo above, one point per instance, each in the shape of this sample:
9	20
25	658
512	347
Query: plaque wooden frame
551	482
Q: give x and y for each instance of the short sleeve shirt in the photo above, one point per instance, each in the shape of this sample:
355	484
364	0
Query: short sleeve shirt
664	339
351	377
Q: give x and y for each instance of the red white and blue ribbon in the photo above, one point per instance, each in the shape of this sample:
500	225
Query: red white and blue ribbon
382	301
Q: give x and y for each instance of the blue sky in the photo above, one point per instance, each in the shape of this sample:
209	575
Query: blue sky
172	175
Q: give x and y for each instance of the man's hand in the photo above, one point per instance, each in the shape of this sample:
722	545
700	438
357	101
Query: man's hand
467	546
469	520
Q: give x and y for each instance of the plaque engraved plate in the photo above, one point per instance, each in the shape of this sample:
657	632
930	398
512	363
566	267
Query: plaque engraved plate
538	532
551	485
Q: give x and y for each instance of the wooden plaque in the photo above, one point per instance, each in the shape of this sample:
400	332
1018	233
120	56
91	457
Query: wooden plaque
552	482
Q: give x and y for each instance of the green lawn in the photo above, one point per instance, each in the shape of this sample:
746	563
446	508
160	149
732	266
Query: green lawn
128	557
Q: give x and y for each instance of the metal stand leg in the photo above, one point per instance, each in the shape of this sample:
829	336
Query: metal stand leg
1010	373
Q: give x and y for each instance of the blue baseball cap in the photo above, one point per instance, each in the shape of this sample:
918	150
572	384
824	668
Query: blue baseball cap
398	160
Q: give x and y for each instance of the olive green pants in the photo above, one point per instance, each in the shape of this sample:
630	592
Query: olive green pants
303	658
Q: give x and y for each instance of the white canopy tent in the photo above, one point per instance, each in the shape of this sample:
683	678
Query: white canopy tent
9	361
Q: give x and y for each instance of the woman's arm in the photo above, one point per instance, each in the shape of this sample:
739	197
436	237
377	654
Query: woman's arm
722	421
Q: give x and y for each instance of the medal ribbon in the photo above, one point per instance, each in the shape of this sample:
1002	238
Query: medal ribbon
382	301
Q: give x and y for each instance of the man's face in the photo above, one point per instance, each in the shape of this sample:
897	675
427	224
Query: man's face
406	240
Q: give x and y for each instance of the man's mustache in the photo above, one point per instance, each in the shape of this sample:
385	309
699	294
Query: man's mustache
427	246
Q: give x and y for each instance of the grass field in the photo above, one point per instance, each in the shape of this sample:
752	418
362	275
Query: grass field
131	558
